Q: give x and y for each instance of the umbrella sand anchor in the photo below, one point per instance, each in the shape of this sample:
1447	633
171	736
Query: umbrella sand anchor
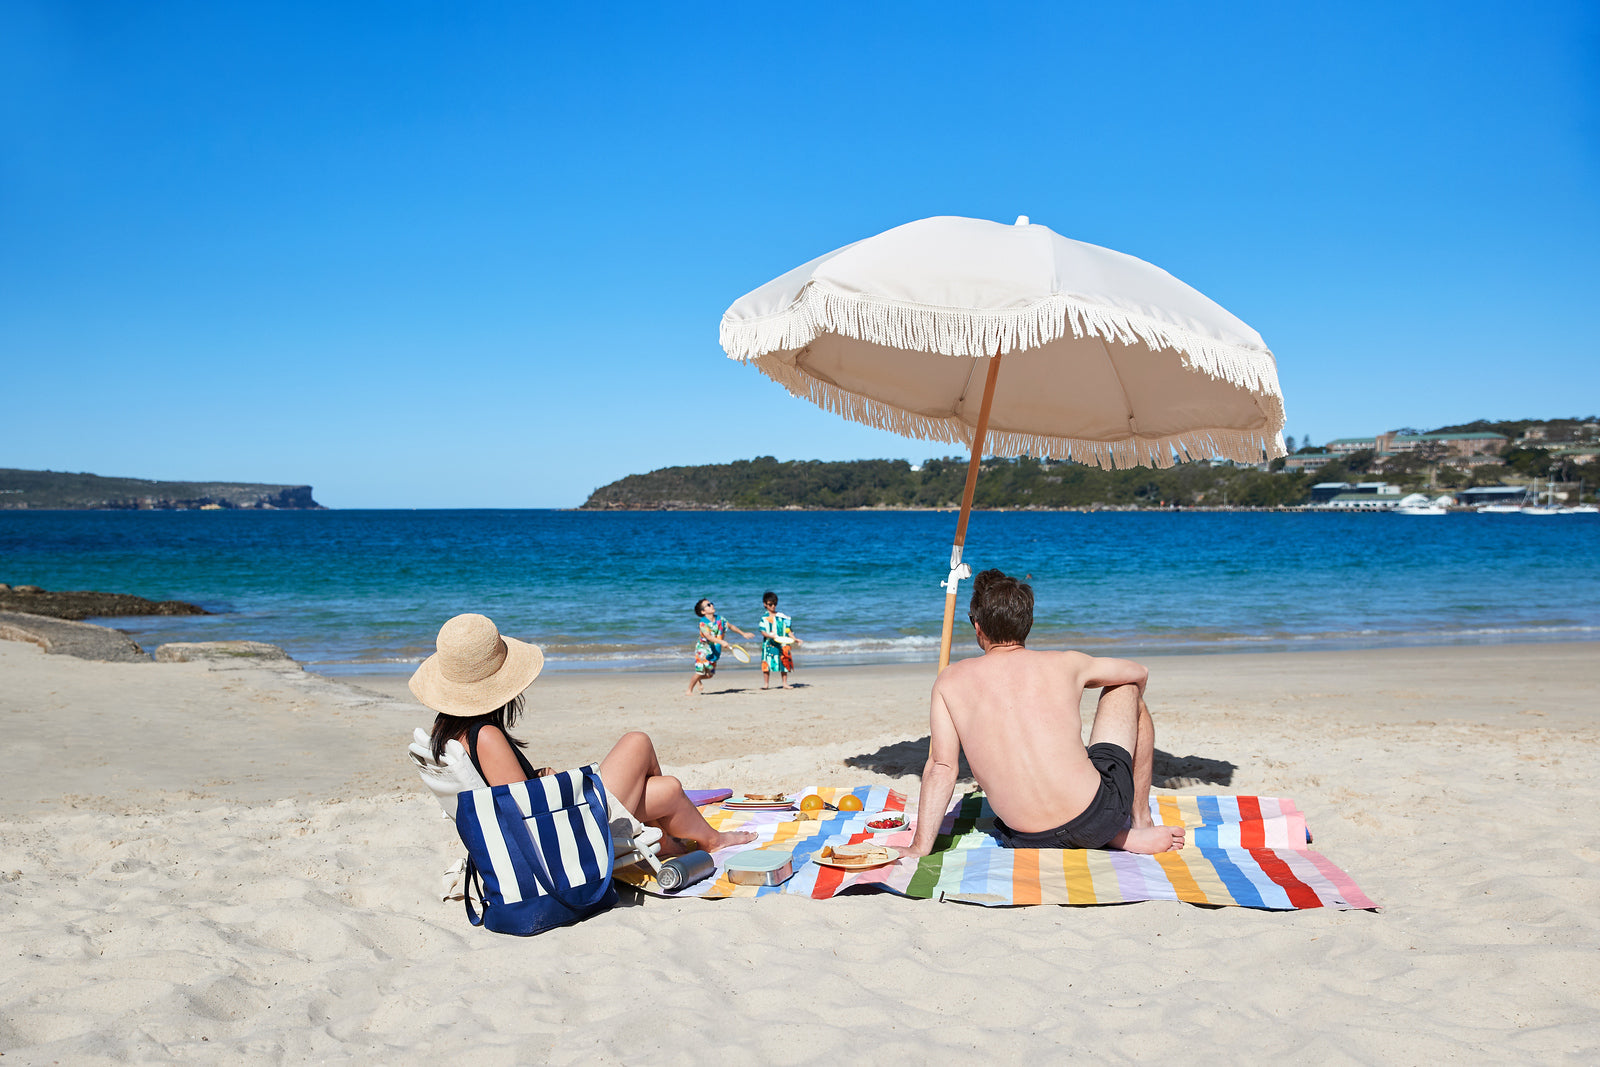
1109	360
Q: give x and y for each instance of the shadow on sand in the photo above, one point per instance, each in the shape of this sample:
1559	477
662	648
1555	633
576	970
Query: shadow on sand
1171	772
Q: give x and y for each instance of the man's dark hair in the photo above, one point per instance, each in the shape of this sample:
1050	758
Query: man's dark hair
1002	606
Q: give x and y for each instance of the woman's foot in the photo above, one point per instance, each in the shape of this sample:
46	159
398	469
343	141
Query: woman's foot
678	846
729	839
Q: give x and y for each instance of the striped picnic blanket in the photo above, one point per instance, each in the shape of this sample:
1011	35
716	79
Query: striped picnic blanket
1246	851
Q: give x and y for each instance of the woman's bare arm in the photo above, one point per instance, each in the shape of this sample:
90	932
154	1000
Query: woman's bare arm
497	758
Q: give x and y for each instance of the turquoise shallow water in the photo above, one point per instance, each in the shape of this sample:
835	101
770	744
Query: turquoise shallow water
367	590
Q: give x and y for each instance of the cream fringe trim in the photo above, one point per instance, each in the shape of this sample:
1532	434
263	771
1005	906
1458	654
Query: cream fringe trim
1241	446
920	328
821	309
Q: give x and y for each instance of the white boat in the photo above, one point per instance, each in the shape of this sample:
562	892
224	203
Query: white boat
1549	507
1500	509
1581	509
1421	509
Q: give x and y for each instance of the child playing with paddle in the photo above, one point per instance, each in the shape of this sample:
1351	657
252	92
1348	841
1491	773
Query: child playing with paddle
708	649
777	636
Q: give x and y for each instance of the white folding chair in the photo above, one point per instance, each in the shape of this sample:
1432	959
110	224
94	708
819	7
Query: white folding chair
453	774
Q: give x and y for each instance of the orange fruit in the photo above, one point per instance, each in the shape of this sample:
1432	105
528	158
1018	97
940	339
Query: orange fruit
849	802
811	802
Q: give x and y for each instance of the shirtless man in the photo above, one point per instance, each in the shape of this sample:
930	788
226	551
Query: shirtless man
1015	712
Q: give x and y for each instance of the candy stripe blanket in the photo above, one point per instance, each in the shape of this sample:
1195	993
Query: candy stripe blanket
1246	851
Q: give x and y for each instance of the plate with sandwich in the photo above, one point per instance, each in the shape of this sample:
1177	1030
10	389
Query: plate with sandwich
772	801
862	857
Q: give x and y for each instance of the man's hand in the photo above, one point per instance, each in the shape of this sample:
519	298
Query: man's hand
907	851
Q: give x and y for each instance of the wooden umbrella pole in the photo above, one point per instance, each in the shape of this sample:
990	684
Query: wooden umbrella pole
973	464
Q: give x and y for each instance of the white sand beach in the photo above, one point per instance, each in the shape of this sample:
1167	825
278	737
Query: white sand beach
238	865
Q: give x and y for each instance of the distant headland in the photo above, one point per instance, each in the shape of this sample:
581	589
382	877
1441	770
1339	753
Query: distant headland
61	491
1526	454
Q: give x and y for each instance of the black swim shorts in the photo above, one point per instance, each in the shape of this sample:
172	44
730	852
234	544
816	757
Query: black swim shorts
1108	814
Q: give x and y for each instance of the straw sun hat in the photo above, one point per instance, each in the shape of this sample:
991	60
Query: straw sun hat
475	670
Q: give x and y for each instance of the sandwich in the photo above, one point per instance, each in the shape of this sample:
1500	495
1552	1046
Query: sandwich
857	855
766	796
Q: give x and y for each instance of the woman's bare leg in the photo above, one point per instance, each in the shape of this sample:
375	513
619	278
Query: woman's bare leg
632	774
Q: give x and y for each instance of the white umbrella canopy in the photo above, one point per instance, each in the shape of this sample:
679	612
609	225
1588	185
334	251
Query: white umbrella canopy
1108	359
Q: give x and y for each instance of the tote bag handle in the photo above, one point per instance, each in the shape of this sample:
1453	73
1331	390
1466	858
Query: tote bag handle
578	897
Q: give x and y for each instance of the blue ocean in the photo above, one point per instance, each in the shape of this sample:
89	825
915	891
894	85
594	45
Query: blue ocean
363	591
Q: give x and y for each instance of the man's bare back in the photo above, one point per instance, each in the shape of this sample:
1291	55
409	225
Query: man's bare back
1015	713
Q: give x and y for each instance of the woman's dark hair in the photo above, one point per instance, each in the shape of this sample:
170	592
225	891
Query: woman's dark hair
769	597
1002	606
447	726
699	603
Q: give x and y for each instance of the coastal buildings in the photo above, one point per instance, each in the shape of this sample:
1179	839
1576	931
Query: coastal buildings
1454	449
1452	445
1495	494
1345	446
1362	496
1307	461
1579	454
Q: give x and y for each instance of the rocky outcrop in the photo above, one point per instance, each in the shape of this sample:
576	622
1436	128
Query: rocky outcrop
63	638
62	491
82	604
85	641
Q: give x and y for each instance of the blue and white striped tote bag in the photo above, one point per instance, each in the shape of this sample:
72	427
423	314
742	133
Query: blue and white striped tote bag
540	851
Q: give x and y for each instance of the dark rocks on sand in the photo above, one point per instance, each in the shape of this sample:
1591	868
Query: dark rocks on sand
79	639
86	641
86	605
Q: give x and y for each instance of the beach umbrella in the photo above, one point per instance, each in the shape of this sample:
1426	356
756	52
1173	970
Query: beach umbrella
1107	359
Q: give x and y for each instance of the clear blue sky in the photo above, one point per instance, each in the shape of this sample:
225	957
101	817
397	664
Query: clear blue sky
444	255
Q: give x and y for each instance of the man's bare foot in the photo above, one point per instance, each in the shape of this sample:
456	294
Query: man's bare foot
1148	840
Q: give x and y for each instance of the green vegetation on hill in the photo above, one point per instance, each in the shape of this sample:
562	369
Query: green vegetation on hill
764	482
58	490
1005	483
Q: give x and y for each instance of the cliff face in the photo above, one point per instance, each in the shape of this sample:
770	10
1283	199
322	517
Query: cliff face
61	491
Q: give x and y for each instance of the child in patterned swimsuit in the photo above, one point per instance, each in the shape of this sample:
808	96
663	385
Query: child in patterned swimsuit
775	655
708	649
